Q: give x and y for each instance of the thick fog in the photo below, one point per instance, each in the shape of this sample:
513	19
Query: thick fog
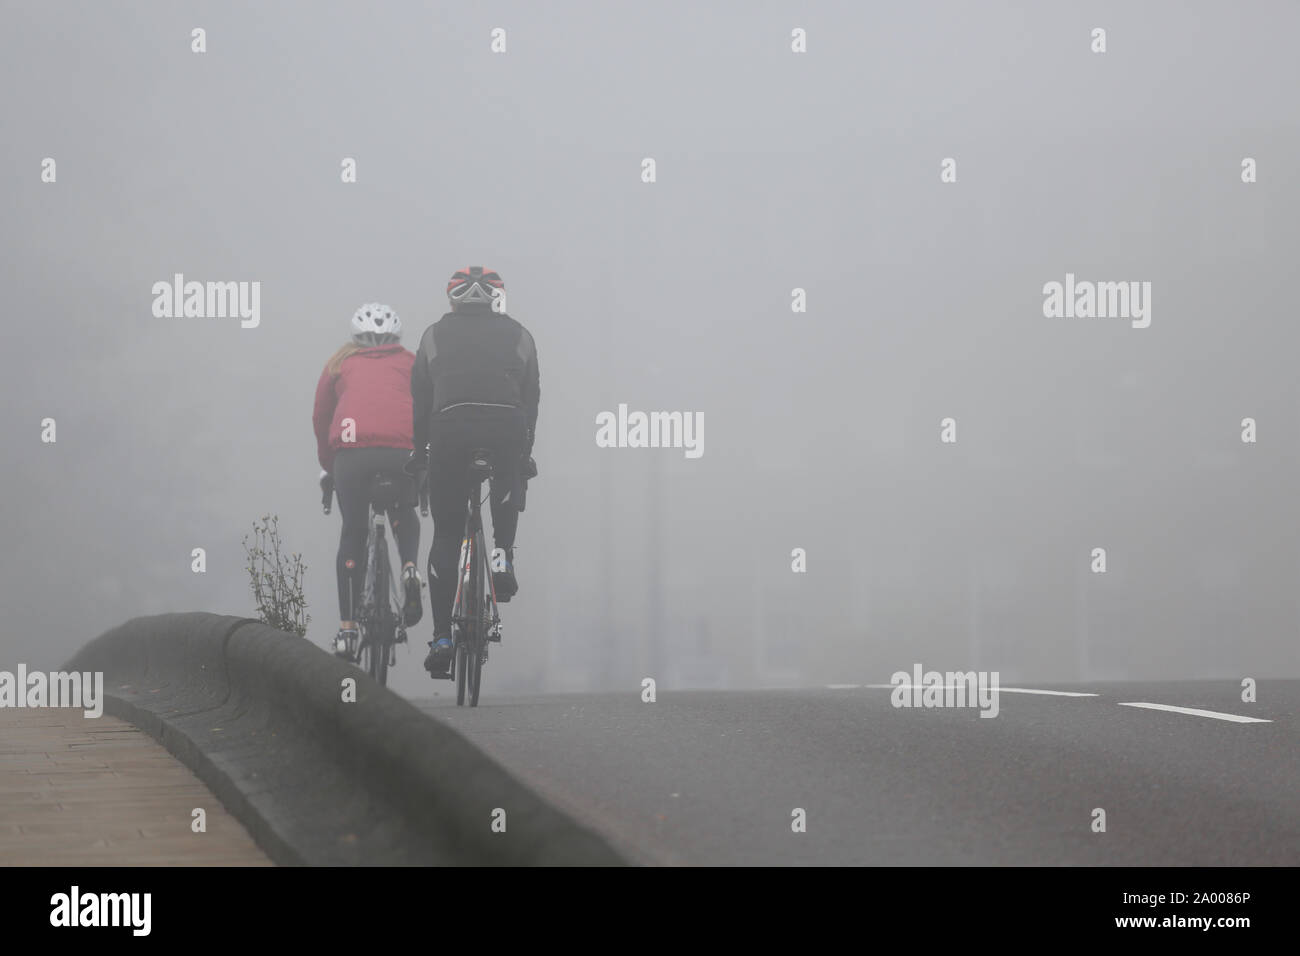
774	171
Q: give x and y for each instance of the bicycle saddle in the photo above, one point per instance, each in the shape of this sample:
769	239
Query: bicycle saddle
480	464
387	493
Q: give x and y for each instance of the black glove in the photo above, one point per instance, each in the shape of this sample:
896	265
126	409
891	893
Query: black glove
417	467
418	462
327	490
527	467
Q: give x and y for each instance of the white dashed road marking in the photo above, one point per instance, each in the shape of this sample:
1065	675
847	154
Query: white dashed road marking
1235	718
1005	690
1054	693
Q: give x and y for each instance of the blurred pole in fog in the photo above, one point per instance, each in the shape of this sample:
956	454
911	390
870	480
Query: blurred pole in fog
758	621
973	608
1092	459
1081	582
602	578
610	312
654	657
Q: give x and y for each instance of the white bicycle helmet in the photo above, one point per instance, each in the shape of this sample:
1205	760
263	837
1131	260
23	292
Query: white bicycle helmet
375	323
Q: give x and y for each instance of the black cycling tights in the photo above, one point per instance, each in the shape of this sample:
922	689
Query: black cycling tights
353	469
453	435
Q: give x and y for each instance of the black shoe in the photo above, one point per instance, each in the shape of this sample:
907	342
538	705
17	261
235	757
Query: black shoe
345	643
441	651
504	582
412	610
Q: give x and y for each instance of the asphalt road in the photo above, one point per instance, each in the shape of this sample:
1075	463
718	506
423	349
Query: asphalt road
714	778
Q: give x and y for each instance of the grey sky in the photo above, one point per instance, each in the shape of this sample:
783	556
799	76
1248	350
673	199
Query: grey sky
775	171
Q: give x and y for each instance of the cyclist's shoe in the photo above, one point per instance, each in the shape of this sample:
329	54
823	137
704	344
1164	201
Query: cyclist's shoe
504	582
412	610
345	643
438	663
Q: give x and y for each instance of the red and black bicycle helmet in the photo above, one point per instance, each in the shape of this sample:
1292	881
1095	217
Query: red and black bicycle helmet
472	285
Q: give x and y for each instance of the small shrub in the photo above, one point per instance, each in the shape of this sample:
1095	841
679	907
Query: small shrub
276	579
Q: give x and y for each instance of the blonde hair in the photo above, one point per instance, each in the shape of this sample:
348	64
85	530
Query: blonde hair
336	360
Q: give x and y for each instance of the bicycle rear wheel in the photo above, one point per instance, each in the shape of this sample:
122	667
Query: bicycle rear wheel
379	652
474	653
470	639
478	623
381	637
461	638
372	657
461	657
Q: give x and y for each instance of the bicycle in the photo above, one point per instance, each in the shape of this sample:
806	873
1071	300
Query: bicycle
475	614
380	622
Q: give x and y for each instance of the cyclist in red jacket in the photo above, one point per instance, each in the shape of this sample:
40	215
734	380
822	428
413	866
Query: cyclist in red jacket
362	418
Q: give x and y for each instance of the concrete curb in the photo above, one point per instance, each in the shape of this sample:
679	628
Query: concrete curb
258	715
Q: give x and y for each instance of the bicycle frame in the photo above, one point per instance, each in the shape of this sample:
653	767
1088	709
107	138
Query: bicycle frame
375	546
381	626
473	549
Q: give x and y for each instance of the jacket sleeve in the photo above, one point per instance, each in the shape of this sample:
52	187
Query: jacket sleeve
322	417
422	392
532	395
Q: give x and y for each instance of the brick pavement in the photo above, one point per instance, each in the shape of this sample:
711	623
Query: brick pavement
99	792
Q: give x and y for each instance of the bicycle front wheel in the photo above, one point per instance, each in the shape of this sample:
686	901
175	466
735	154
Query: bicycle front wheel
381	639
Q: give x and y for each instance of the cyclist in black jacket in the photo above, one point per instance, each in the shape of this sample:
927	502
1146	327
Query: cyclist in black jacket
475	384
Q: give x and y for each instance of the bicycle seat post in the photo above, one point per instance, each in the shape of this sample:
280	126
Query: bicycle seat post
480	470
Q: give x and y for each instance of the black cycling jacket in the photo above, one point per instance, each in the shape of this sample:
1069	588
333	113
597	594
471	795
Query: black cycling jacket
474	358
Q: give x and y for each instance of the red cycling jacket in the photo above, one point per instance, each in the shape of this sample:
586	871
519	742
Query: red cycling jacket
373	388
